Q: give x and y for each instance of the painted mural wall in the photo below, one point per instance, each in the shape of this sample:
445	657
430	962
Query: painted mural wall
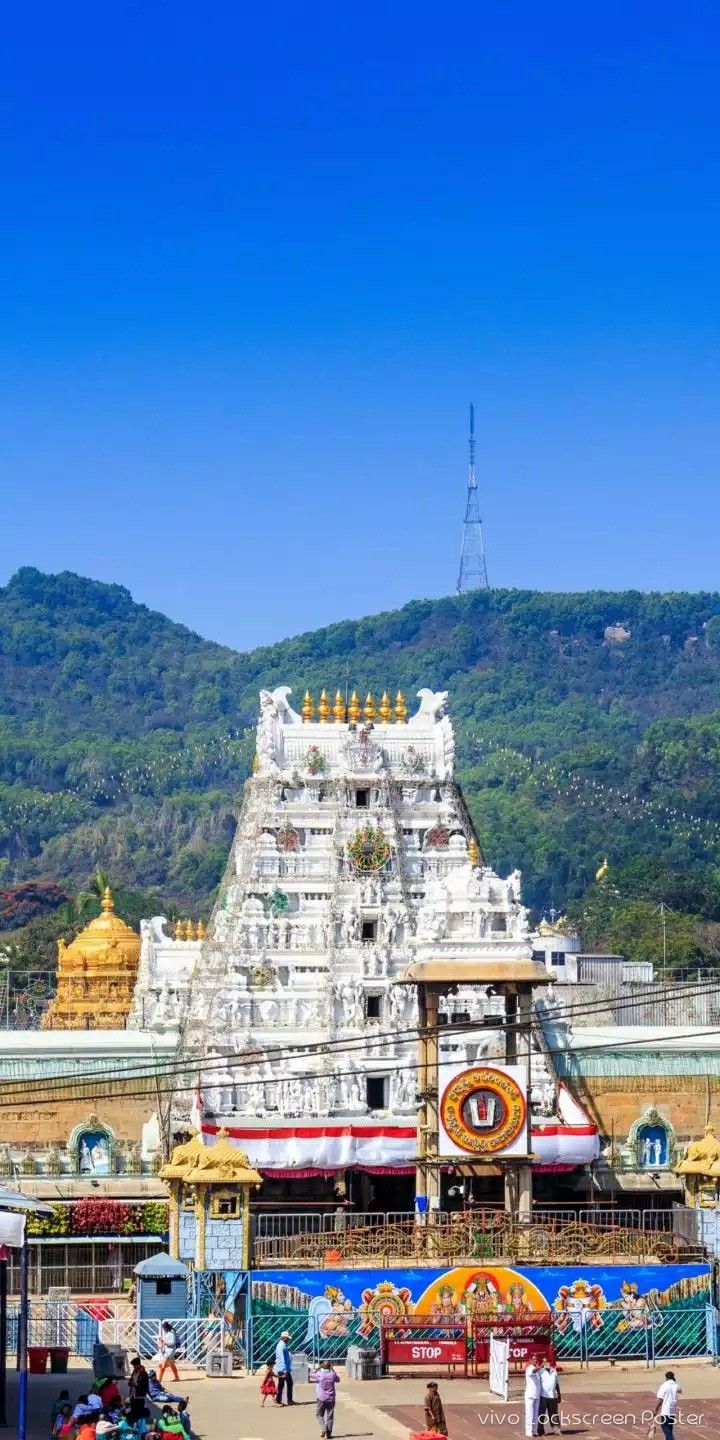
607	1307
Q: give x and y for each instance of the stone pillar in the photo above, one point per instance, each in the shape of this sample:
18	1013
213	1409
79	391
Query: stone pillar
524	1199
427	1172
246	1234
174	1222
511	1034
511	1189
200	1226
524	1056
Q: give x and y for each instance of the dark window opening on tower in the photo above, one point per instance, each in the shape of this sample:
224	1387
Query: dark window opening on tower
373	1007
368	930
376	1092
362	799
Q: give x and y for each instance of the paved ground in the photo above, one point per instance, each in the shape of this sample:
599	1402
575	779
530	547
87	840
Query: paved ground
606	1401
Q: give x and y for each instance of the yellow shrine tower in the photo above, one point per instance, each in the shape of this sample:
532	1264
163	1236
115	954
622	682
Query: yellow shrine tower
96	975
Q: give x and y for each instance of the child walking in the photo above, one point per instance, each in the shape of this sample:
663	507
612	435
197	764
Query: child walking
269	1383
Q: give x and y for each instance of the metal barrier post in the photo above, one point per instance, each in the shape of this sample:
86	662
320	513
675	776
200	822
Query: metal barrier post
711	1332
3	1341
650	1344
23	1343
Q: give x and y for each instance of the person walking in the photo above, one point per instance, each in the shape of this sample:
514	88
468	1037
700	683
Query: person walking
283	1369
667	1404
326	1383
434	1411
532	1398
548	1415
167	1345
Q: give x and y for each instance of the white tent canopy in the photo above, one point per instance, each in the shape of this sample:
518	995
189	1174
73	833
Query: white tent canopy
12	1224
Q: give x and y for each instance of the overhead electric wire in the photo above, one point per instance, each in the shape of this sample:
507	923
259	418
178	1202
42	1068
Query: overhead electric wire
413	1065
319	1049
197	1063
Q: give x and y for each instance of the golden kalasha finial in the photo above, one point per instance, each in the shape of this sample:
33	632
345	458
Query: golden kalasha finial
473	851
602	872
339	708
354	708
256	763
308	709
384	710
369	708
323	708
180	932
400	708
200	931
108	904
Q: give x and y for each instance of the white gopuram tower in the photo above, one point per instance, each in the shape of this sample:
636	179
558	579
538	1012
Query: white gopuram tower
354	858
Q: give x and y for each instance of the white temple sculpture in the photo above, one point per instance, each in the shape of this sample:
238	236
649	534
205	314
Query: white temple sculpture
354	855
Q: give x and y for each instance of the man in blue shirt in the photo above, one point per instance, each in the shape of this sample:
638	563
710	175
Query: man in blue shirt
283	1369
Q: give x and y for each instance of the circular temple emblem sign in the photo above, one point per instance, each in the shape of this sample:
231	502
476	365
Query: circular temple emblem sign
483	1111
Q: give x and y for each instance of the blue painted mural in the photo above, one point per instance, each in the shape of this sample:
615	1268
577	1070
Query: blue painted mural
604	1308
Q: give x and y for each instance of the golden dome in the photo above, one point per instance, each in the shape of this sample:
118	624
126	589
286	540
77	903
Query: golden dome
106	938
95	975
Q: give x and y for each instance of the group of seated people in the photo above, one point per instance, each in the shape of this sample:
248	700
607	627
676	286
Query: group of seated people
102	1412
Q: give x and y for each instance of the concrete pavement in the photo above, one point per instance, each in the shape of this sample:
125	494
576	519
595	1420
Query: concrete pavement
605	1401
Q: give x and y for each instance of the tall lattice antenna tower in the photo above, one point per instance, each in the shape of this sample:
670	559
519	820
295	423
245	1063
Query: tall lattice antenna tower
472	574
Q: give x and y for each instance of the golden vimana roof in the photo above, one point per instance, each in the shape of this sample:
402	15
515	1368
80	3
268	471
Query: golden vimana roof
107	939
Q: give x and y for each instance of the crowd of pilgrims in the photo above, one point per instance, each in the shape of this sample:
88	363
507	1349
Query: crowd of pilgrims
103	1412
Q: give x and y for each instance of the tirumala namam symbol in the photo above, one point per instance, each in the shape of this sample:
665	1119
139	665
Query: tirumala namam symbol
482	1109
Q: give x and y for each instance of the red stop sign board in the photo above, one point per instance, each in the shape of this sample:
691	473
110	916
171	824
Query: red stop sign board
425	1352
521	1350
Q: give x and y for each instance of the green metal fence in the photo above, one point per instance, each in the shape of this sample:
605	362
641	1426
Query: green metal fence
650	1336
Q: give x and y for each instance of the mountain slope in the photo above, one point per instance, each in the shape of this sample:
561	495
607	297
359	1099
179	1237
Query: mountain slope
586	724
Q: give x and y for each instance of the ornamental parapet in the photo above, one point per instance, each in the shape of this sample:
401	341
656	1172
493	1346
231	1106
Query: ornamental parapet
462	1237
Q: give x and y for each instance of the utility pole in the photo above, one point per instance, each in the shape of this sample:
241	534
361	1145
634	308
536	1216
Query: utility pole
472	574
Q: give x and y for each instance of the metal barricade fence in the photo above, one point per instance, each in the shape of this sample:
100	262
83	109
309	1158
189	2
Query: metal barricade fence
611	1218
73	1326
264	1331
675	1334
267	1227
489	1234
196	1338
649	1334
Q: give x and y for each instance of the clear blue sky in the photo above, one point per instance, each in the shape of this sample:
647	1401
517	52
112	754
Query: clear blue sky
255	260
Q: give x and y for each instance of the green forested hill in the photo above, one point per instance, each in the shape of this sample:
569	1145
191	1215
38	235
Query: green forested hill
588	724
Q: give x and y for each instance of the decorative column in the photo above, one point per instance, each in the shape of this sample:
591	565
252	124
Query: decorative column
174	1221
427	1172
523	1047
200	1226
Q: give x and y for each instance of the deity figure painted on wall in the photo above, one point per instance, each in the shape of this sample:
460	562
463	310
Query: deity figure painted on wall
94	1153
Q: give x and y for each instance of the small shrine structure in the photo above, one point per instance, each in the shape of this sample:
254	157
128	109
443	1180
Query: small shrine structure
210	1188
96	975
